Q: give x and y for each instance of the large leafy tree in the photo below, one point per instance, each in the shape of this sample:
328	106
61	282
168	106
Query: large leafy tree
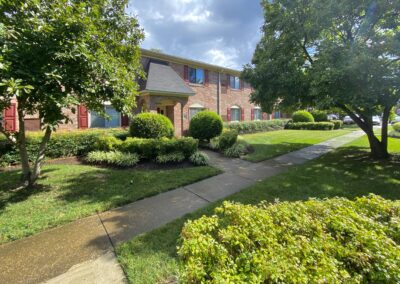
330	54
57	54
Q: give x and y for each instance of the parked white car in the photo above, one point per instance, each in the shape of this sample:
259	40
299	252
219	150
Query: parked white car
396	119
348	120
376	120
333	116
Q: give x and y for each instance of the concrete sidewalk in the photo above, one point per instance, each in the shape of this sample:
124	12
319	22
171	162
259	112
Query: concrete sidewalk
83	251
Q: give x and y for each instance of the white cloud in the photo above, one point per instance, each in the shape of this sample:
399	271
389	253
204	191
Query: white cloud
226	57
194	16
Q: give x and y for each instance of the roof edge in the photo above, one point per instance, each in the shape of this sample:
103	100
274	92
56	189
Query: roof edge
181	60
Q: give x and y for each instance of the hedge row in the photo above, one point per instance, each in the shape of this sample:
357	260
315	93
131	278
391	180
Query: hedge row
149	149
61	144
257	126
310	126
330	241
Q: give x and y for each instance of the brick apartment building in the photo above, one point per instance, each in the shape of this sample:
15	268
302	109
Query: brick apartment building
176	87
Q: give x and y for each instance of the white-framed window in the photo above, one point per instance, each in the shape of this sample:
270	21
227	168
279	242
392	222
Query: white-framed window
234	82
236	113
193	110
114	120
196	75
257	113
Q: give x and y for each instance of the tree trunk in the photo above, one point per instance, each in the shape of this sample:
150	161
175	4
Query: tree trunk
378	148
23	153
385	122
40	157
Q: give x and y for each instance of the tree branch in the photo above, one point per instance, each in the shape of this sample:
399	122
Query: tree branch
303	46
8	135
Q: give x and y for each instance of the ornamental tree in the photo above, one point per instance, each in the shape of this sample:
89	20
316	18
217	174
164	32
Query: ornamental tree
330	54
57	54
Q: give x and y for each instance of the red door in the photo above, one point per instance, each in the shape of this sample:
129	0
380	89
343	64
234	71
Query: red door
124	120
10	118
82	117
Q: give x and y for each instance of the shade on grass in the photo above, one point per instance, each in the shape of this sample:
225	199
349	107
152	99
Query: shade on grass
267	145
347	172
70	192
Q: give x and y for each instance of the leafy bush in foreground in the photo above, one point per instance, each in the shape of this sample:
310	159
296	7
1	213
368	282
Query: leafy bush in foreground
330	241
199	159
257	126
310	126
205	125
114	158
151	125
302	116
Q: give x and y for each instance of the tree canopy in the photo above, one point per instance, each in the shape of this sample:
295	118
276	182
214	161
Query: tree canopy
57	54
327	54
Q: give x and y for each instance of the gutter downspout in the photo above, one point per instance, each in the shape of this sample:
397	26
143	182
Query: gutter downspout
219	93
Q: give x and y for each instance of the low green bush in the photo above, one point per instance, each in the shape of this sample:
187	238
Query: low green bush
317	241
151	148
199	159
174	157
61	144
396	127
302	116
235	151
256	126
113	158
151	125
337	124
319	115
107	143
227	139
205	125
310	126
214	144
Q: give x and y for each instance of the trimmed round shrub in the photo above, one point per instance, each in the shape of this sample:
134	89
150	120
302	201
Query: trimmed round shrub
316	241
151	125
302	116
319	115
396	127
227	139
205	125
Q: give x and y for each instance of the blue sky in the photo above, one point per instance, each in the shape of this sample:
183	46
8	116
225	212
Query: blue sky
221	32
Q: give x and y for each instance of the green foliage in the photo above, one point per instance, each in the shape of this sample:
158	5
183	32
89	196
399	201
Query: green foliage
257	126
199	159
174	157
235	151
337	124
322	53
316	241
61	144
113	158
302	116
107	143
227	139
319	115
214	144
205	125
396	127
151	148
151	125
310	126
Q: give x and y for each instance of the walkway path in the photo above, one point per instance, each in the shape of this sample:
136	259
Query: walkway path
83	251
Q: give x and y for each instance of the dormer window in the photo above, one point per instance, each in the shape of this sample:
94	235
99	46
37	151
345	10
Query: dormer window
196	75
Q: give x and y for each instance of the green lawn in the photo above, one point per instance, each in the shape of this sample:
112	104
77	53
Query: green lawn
70	192
347	172
267	145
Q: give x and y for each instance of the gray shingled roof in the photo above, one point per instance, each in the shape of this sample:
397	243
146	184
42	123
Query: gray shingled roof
164	79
